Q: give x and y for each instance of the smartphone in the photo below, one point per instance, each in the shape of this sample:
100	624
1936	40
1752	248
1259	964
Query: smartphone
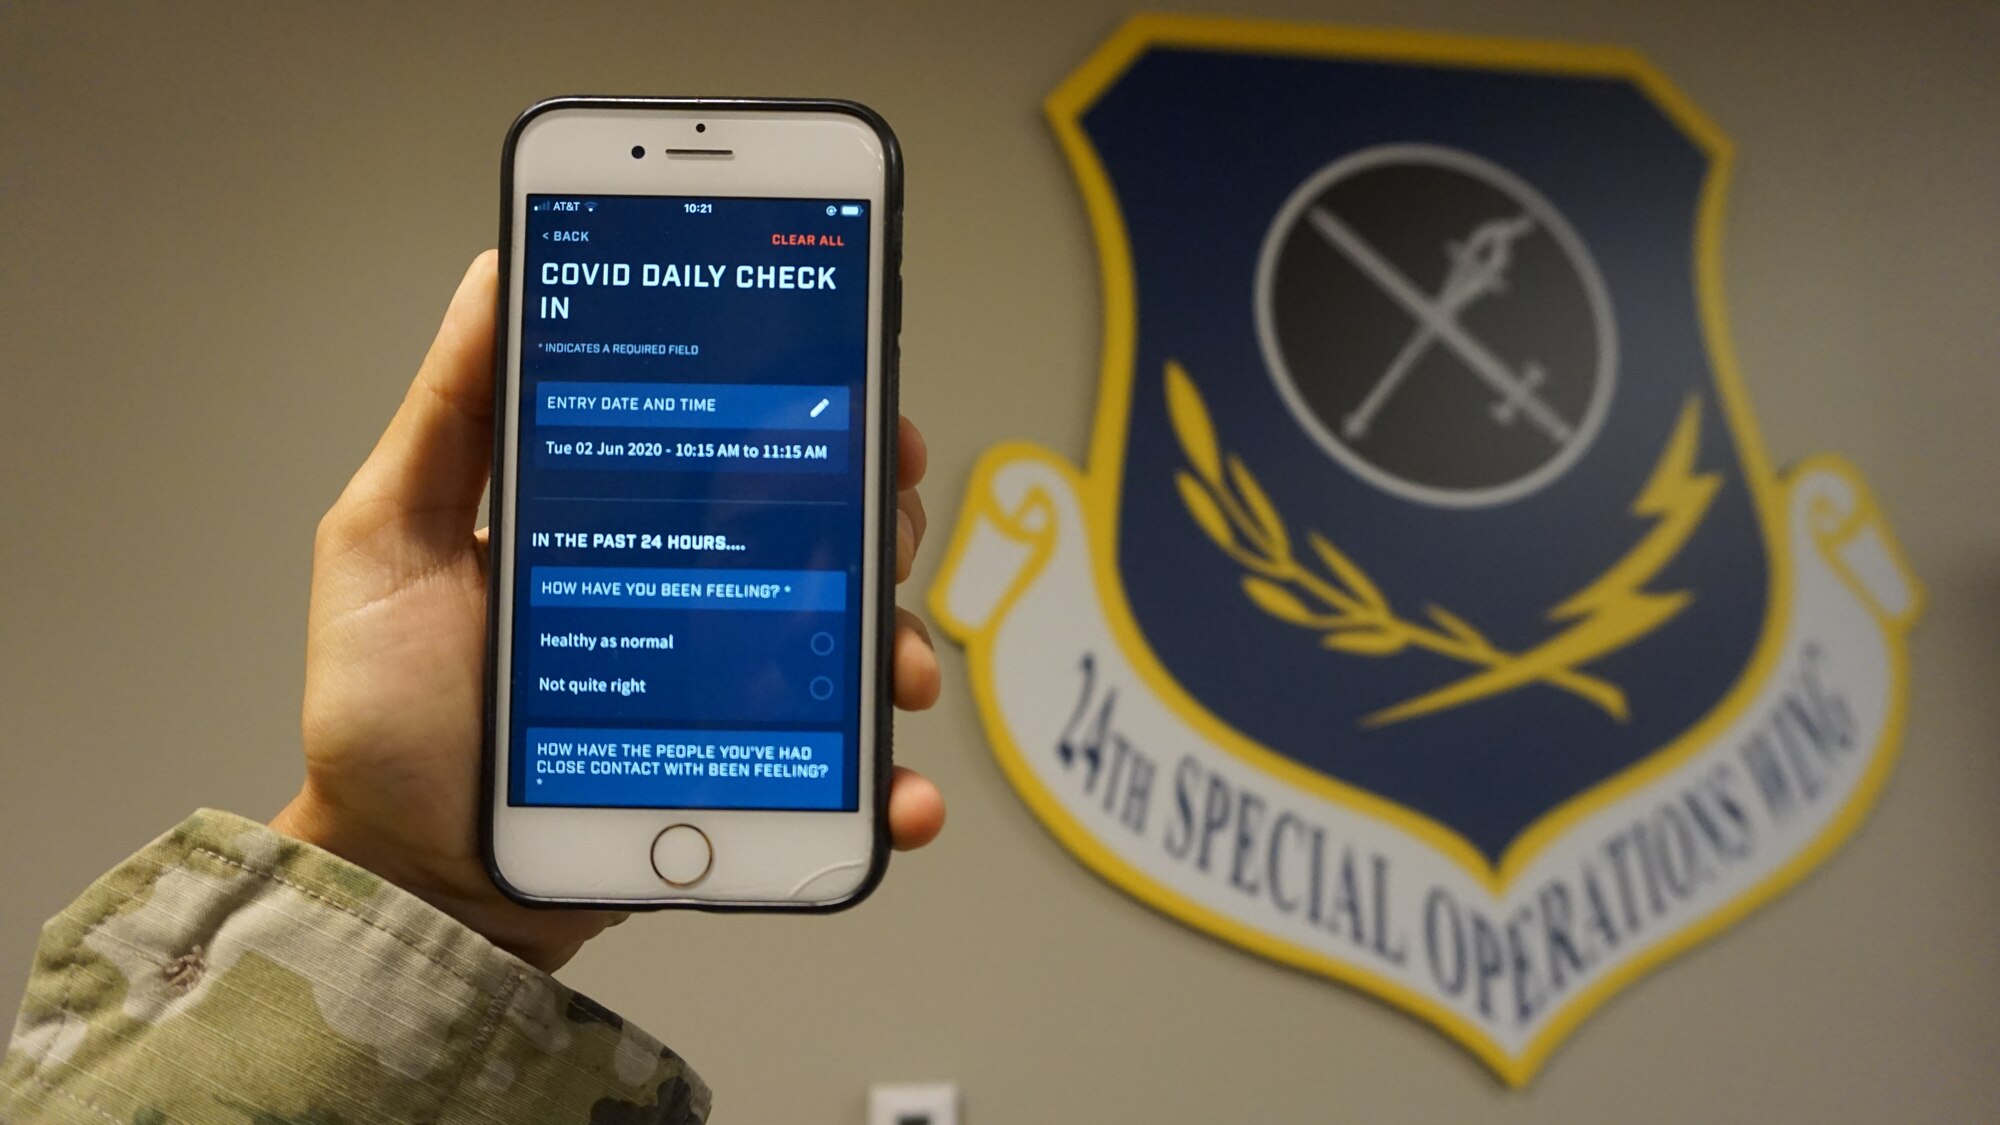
693	537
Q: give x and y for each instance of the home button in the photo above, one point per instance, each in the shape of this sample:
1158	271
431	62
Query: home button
682	855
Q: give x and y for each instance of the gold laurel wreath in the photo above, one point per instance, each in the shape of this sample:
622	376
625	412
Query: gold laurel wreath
1352	615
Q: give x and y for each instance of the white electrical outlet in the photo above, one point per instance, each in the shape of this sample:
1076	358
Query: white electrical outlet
913	1103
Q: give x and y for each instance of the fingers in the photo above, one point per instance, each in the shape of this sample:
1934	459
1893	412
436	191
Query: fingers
428	471
910	525
912	461
913	457
916	810
913	663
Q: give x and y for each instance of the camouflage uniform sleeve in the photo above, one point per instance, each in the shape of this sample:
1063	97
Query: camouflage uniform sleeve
227	974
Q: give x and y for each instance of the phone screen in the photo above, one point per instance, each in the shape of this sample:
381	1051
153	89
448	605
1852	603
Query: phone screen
689	503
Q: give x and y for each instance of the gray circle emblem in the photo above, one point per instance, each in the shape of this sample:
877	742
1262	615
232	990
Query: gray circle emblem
1436	325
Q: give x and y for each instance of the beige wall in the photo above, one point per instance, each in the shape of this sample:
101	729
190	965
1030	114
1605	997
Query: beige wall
225	236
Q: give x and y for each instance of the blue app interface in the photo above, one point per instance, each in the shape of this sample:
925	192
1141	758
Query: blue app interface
689	502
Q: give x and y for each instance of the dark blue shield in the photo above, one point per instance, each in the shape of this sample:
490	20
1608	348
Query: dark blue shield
1428	482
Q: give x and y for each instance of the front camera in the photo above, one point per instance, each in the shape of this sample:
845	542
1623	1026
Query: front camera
638	151
700	127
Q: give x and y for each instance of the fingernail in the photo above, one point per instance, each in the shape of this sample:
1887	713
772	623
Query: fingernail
906	534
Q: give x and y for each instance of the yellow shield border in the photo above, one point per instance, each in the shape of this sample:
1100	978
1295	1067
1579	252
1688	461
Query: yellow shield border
1099	489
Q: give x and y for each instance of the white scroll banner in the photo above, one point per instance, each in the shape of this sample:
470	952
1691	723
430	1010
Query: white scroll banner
1162	798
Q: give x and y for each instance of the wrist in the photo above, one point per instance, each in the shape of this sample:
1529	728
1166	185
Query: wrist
456	885
310	820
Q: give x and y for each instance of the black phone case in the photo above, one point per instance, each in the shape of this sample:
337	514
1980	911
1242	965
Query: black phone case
886	427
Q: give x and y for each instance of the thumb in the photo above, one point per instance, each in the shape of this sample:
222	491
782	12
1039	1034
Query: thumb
428	472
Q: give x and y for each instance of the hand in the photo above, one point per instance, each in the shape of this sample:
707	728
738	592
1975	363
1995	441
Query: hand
396	646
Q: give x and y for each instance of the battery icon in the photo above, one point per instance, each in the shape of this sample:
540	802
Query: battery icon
850	210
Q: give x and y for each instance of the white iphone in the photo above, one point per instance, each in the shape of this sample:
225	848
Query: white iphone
693	533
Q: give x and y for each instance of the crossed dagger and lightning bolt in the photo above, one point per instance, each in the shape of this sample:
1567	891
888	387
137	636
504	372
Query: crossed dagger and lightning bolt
1478	269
